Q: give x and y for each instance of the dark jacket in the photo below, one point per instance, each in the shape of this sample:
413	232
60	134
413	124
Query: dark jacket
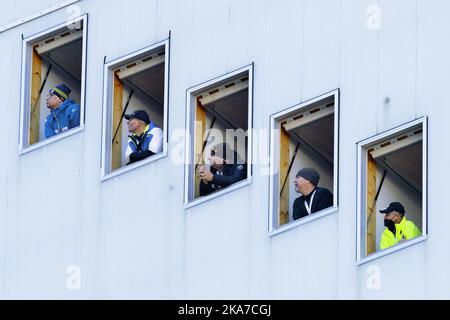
231	174
322	200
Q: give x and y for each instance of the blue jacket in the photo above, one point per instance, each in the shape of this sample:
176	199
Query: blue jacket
63	118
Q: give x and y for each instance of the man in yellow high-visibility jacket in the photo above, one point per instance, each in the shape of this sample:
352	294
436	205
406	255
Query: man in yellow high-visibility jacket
398	228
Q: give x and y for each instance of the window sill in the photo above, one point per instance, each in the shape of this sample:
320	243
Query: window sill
48	141
218	194
133	166
392	249
303	221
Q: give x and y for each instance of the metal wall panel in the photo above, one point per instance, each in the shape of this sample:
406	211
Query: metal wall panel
131	236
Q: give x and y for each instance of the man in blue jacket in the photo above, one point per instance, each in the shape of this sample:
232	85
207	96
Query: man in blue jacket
64	112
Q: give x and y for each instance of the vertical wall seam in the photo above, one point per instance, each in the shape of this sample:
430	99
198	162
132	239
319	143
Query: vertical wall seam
378	69
417	62
340	35
156	19
192	42
302	53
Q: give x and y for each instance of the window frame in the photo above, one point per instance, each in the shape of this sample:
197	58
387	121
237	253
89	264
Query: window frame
361	149
107	118
191	93
25	89
274	199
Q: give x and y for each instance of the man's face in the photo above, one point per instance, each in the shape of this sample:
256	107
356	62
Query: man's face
393	216
301	185
134	124
216	162
53	101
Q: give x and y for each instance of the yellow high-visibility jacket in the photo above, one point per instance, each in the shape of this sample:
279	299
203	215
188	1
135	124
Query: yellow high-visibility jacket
405	230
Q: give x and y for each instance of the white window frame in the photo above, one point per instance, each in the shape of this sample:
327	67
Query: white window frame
274	199
107	110
362	148
27	45
191	93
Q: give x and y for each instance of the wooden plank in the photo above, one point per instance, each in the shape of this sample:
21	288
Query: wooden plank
35	109
139	67
284	167
200	125
371	205
117	121
396	144
294	124
224	92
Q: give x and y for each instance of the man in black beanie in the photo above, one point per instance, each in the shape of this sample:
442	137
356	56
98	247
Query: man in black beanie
313	198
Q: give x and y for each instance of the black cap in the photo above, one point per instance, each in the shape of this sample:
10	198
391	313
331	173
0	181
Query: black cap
394	206
309	174
138	114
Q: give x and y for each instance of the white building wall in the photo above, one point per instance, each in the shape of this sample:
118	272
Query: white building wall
131	236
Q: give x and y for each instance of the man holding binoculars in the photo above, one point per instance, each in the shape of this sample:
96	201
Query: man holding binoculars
224	170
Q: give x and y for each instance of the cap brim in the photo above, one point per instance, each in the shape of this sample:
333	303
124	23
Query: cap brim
385	211
128	116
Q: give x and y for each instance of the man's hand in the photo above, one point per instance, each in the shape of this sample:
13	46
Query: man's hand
205	175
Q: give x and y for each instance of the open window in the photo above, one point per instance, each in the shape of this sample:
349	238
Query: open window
219	120
136	82
304	136
392	168
51	58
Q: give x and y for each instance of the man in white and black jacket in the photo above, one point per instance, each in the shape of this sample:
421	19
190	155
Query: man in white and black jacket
313	198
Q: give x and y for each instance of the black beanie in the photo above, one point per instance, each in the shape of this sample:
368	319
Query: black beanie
309	174
62	91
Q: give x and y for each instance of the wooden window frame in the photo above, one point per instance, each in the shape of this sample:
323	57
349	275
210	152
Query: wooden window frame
275	145
108	86
191	107
362	164
29	81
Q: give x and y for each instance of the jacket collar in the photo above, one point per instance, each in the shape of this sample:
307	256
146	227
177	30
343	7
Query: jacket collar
400	227
310	194
147	128
63	106
402	223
